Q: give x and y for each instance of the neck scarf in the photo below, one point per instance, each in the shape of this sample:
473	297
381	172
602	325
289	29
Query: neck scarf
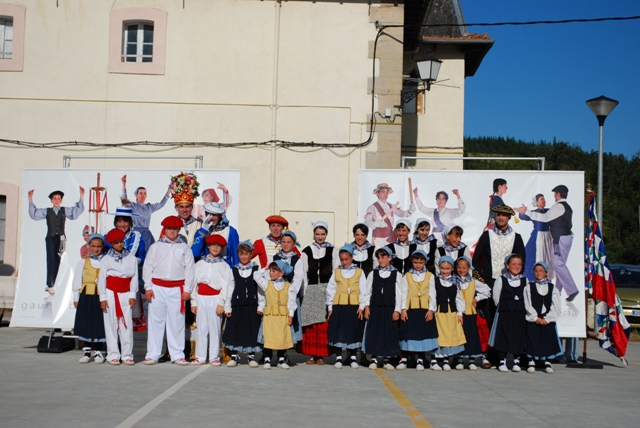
242	267
366	246
450	249
98	257
323	245
272	239
416	239
543	281
118	256
209	259
389	268
513	278
501	233
454	279
348	268
418	272
464	279
286	257
403	245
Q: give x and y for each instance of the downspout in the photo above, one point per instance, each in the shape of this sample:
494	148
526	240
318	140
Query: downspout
274	106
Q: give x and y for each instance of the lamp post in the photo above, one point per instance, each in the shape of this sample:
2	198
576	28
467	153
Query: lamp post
601	107
429	67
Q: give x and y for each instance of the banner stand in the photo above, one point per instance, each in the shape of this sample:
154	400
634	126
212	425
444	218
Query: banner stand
584	364
56	344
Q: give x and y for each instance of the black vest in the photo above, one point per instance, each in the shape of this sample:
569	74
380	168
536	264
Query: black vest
245	290
537	301
446	297
403	265
561	226
508	295
55	222
457	254
366	265
294	260
320	270
383	290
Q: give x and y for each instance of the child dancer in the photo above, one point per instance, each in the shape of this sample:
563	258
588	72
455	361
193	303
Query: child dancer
402	247
448	316
452	247
276	331
363	249
542	300
472	292
243	309
426	241
118	283
509	325
345	307
418	331
289	254
89	323
383	301
318	261
213	280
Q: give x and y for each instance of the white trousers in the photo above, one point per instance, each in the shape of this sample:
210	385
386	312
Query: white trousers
209	326
164	311
114	328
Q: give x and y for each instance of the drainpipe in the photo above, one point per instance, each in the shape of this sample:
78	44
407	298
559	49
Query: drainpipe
274	106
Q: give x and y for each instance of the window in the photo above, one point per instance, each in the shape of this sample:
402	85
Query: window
137	42
6	37
11	37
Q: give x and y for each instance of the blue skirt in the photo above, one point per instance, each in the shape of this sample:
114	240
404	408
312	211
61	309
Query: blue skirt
508	331
241	329
345	329
381	338
473	347
542	341
89	322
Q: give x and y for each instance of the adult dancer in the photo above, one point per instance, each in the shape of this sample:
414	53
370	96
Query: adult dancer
441	215
380	216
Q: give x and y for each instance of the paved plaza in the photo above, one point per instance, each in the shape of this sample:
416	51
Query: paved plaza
54	390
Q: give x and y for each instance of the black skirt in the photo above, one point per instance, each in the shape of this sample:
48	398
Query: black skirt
381	338
542	341
242	328
510	331
89	323
344	325
473	347
417	328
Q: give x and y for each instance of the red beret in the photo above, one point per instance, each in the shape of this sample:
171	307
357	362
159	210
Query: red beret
277	219
172	222
216	239
115	235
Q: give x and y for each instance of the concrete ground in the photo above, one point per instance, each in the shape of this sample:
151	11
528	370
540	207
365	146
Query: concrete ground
54	390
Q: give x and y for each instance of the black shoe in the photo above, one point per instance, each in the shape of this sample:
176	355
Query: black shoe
572	296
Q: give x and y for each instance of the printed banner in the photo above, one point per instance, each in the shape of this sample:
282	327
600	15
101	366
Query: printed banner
45	258
464	198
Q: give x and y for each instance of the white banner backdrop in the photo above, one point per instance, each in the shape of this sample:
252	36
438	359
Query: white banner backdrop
475	189
34	307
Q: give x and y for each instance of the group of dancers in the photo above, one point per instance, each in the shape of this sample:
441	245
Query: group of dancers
413	303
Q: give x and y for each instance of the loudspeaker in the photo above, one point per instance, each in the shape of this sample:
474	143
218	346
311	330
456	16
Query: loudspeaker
58	344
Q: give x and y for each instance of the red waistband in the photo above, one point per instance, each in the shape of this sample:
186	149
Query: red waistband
205	290
168	283
118	285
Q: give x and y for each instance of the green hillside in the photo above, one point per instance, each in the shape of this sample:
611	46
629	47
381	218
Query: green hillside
621	196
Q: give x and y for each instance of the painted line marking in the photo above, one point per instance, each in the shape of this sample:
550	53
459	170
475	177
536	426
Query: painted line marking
414	414
147	408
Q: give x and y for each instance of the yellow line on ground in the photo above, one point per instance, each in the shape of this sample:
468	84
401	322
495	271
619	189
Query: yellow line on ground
416	417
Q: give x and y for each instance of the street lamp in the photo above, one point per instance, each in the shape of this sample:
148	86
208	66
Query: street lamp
429	67
601	107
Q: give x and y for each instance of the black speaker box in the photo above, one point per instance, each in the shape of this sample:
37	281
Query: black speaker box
58	344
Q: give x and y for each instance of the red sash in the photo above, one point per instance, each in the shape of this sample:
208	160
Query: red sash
383	232
119	285
205	290
171	284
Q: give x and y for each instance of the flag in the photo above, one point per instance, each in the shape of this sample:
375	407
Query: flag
611	326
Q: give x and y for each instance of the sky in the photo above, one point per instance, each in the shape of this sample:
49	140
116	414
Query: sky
533	83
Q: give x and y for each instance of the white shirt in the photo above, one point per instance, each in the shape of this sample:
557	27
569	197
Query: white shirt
401	299
217	276
419	277
532	314
459	299
483	291
557	210
245	274
261	277
171	261
126	267
331	286
76	285
446	215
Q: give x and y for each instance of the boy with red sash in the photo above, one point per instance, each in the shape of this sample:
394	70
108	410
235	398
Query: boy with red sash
118	283
168	275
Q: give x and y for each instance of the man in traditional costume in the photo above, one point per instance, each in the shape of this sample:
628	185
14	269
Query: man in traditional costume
380	216
268	246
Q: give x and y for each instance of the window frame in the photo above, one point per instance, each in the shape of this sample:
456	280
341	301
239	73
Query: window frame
17	15
140	41
119	19
3	38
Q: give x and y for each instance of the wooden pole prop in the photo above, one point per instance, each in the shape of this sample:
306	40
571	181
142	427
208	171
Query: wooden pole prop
410	190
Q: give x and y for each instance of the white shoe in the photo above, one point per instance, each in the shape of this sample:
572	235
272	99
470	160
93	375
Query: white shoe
50	290
338	363
419	365
282	364
531	369
402	365
216	362
435	367
253	363
267	364
197	362
354	364
388	366
180	362
232	362
459	366
516	368
473	367
446	367
503	368
548	368
98	358
374	364
85	359
150	361
129	362
114	362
